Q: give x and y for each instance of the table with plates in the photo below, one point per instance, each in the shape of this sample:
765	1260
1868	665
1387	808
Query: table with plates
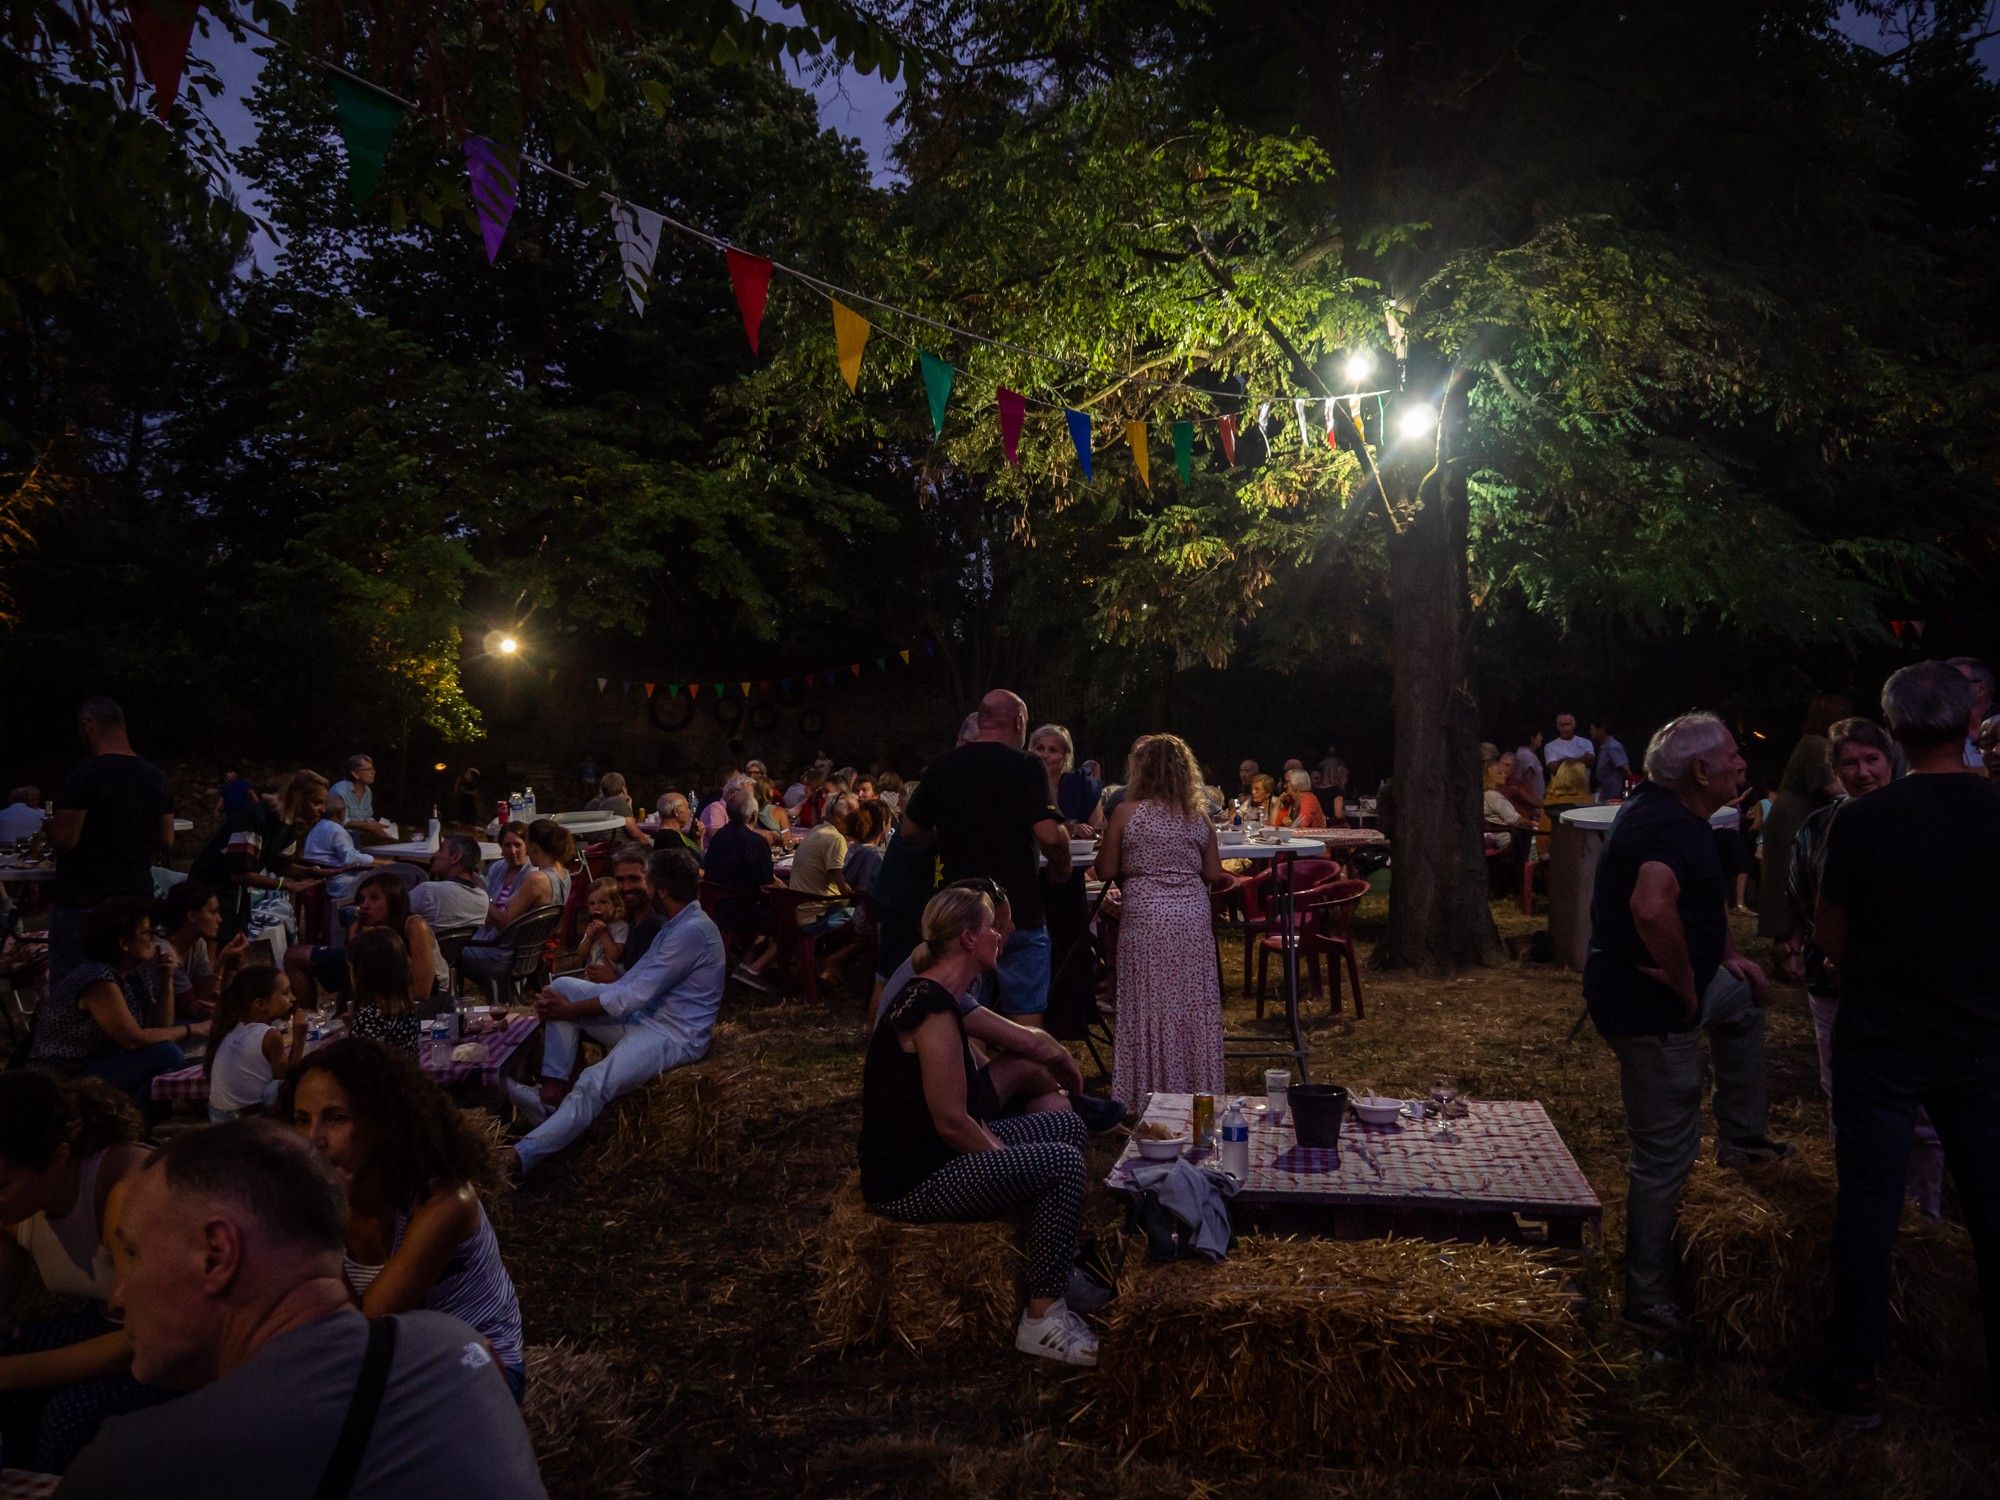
25	872
189	1085
1501	1163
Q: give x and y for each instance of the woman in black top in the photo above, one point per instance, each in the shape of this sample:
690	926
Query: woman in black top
925	1159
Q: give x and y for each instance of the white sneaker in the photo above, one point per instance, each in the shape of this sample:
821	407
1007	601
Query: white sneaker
527	1101
1057	1334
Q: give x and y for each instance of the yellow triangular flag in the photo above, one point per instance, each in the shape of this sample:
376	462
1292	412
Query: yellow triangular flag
906	657
850	337
746	688
1135	435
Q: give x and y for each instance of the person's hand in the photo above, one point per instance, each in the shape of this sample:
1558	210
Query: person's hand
601	972
234	948
551	1007
301	1022
1751	973
298	884
200	1028
1063	1065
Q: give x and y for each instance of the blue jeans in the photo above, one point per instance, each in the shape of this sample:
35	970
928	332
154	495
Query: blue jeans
1876	1095
133	1072
1021	978
636	1054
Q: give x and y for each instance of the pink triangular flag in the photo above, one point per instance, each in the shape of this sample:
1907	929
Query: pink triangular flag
1013	407
751	276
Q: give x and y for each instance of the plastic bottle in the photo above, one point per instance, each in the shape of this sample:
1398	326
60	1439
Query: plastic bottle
1236	815
528	804
1235	1131
432	829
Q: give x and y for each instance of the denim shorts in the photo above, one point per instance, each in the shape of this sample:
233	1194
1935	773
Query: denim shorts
1021	978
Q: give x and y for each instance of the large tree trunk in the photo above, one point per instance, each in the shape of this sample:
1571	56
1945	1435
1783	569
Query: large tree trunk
1439	919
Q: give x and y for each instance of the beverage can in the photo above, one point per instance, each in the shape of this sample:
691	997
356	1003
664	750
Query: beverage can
501	811
1204	1120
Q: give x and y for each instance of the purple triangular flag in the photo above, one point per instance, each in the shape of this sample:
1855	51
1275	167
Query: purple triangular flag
494	171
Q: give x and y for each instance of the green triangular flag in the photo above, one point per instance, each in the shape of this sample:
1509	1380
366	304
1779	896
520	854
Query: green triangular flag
367	120
1184	449
937	385
881	663
673	690
718	690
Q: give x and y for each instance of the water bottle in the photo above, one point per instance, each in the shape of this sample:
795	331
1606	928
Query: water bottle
1236	815
1235	1142
432	829
528	804
517	806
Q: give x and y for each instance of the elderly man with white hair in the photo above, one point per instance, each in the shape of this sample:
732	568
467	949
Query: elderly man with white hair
1662	969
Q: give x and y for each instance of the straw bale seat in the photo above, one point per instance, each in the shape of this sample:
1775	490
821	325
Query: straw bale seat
584	1422
1368	1352
1756	1252
922	1285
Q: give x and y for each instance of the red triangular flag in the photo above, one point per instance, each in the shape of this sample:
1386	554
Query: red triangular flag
1013	407
751	276
161	32
649	690
1225	428
1897	627
694	690
855	668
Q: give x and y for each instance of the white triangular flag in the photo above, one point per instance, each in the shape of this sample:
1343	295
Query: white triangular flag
638	242
600	683
1305	437
1329	422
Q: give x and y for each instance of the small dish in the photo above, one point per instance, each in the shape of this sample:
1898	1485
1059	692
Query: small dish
1167	1150
1377	1111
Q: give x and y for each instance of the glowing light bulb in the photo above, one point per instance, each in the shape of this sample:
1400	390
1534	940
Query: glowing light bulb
1360	365
1416	421
508	645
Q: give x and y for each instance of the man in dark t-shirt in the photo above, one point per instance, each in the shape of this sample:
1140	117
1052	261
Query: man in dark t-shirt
114	815
987	806
1662	970
1905	918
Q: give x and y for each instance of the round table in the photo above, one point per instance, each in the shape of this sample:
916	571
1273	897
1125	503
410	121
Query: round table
418	852
26	874
580	824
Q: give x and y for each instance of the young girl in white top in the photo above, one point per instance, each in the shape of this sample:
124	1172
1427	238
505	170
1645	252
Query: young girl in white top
247	1055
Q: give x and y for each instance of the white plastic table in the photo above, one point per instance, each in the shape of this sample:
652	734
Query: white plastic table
418	852
578	823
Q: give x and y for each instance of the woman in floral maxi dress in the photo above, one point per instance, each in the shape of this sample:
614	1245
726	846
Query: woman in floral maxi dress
1161	849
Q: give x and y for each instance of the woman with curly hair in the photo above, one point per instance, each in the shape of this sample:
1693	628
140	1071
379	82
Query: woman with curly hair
1160	847
417	1232
66	1149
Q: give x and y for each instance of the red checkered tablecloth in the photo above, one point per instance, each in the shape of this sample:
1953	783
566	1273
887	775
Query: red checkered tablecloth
25	1484
1504	1156
189	1085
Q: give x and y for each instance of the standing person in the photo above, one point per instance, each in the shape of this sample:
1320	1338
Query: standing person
1160	847
1568	745
356	794
1976	672
113	817
1805	785
1332	772
1864	760
231	1288
657	1018
1607	772
986	803
1662	970
1065	905
65	1148
414	1166
1528	768
926	1158
1905	917
463	801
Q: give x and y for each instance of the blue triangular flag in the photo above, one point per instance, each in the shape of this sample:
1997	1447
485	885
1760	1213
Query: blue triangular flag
1079	433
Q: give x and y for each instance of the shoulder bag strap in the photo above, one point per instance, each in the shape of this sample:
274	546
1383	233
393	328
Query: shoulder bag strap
352	1445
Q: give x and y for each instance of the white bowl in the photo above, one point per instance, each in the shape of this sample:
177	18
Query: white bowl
1377	1111
1167	1150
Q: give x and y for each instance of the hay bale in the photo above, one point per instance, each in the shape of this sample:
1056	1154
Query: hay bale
1373	1352
678	1118
923	1285
583	1421
1756	1252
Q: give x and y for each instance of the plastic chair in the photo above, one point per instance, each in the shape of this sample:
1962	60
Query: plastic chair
1325	923
525	941
574	905
715	900
451	942
800	942
1256	892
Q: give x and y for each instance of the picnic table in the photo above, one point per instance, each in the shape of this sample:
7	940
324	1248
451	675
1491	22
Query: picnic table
189	1085
1501	1164
27	1484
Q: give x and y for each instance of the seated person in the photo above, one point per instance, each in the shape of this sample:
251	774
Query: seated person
676	830
738	866
23	816
112	1016
816	868
1569	785
378	987
613	798
329	850
454	896
356	796
379	902
189	919
602	940
234	791
543	881
247	1055
417	1233
511	867
774	820
255	853
1297	806
65	1150
926	1158
889	788
868	839
656	1018
231	1240
629	863
1261	808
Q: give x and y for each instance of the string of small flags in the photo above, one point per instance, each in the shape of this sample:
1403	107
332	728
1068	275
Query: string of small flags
796	682
162	32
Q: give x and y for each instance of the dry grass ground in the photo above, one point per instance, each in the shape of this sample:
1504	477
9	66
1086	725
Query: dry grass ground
677	1243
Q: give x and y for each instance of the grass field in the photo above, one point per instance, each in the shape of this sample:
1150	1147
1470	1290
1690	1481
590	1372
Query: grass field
672	1248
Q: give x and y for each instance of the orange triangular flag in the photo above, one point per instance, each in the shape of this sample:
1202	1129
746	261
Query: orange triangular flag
850	337
649	690
1135	436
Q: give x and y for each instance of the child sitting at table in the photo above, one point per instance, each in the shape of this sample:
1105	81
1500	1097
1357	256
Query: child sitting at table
246	1055
603	940
378	967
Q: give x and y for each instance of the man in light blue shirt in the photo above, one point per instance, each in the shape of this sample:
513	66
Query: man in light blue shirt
656	1017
